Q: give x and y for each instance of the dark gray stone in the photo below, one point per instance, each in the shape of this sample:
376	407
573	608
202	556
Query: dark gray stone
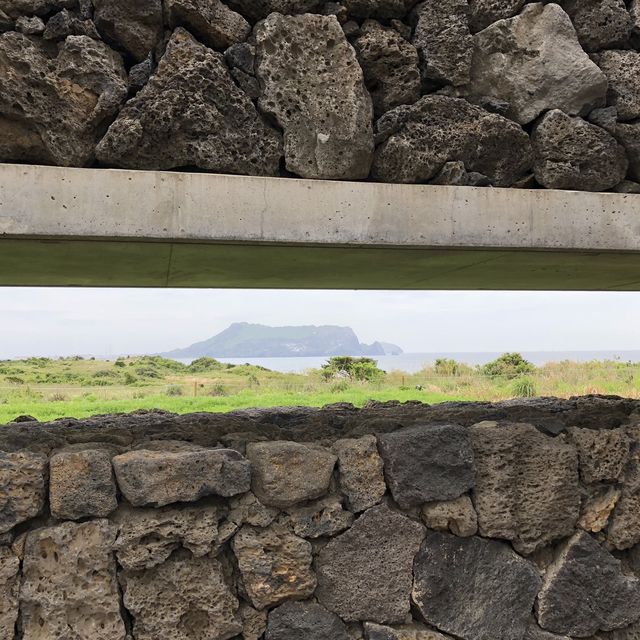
255	10
426	463
600	24
585	591
304	620
68	23
322	518
482	13
365	573
473	588
30	25
380	9
622	69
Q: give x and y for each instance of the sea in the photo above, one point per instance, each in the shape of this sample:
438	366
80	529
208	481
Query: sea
413	362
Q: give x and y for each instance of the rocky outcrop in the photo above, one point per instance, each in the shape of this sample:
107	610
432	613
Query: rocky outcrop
9	592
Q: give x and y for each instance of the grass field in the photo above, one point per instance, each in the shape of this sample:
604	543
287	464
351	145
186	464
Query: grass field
75	387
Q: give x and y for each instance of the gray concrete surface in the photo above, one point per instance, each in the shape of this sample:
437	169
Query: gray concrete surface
99	227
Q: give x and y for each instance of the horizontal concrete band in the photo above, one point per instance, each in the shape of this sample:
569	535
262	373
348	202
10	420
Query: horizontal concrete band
99	227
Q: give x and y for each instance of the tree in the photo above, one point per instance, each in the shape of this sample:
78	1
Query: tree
508	365
356	368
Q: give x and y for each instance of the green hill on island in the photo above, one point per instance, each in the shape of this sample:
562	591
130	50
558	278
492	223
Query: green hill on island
243	340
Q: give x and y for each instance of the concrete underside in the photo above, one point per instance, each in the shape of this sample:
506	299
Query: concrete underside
98	227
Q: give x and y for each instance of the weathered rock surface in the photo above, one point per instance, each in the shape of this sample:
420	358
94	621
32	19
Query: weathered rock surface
443	40
482	13
15	8
254	622
313	86
247	509
365	573
474	588
374	631
54	101
602	454
309	620
526	486
81	484
534	63
585	591
158	478
597	508
628	135
324	517
9	589
417	140
390	66
191	113
571	153
624	528
69	23
22	487
286	473
622	69
275	565
182	599
361	472
30	26
147	537
426	463
600	24
457	516
255	10
211	21
69	587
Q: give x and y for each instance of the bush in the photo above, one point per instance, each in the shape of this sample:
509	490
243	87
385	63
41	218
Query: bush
508	365
339	386
356	368
524	388
447	367
217	390
174	390
200	365
119	363
129	378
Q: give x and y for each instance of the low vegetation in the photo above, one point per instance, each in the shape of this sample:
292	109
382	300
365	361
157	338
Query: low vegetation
48	389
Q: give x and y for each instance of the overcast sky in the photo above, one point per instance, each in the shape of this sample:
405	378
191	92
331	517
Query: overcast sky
53	322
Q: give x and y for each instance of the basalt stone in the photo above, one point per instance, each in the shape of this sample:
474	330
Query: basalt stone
534	632
211	21
158	478
69	587
455	174
380	9
140	73
183	598
457	516
417	140
9	590
247	509
622	69
309	620
286	473
30	25
69	23
427	462
390	66
628	135
275	565
361	472
634	12
324	517
600	24
602	454
585	591
81	484
527	484
147	537
135	27
474	588
365	573
624	528
412	631
255	10
534	62
597	507
482	13
191	113
443	40
54	102
22	487
313	86
254	622
571	153
627	186
16	8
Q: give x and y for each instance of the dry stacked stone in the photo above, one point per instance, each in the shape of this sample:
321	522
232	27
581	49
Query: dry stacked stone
502	93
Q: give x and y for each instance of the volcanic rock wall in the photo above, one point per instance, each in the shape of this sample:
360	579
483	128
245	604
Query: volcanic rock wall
462	92
509	521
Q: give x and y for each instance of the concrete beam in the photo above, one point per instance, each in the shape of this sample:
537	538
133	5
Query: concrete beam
104	227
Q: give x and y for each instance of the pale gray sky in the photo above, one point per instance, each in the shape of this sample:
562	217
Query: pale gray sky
52	322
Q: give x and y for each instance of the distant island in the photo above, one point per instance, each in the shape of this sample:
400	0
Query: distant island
244	340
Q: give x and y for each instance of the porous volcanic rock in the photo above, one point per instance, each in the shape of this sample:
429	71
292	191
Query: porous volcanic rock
365	573
69	587
30	25
135	27
628	135
622	69
22	487
247	509
157	478
414	631
624	528
602	454
390	66
361	472
417	140
308	620
211	21
54	102
571	153
183	598
313	86
597	507
426	463
482	13
473	588
286	473
534	632
457	516
324	517
81	484
9	589
585	591
254	622
191	113
380	9
275	565
69	23
600	24
255	10
443	40
16	8
534	62
526	486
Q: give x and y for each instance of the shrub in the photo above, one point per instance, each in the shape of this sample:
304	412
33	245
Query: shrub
205	363
129	378
14	380
174	390
446	367
509	365
119	363
57	397
217	390
356	368
339	386
524	388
